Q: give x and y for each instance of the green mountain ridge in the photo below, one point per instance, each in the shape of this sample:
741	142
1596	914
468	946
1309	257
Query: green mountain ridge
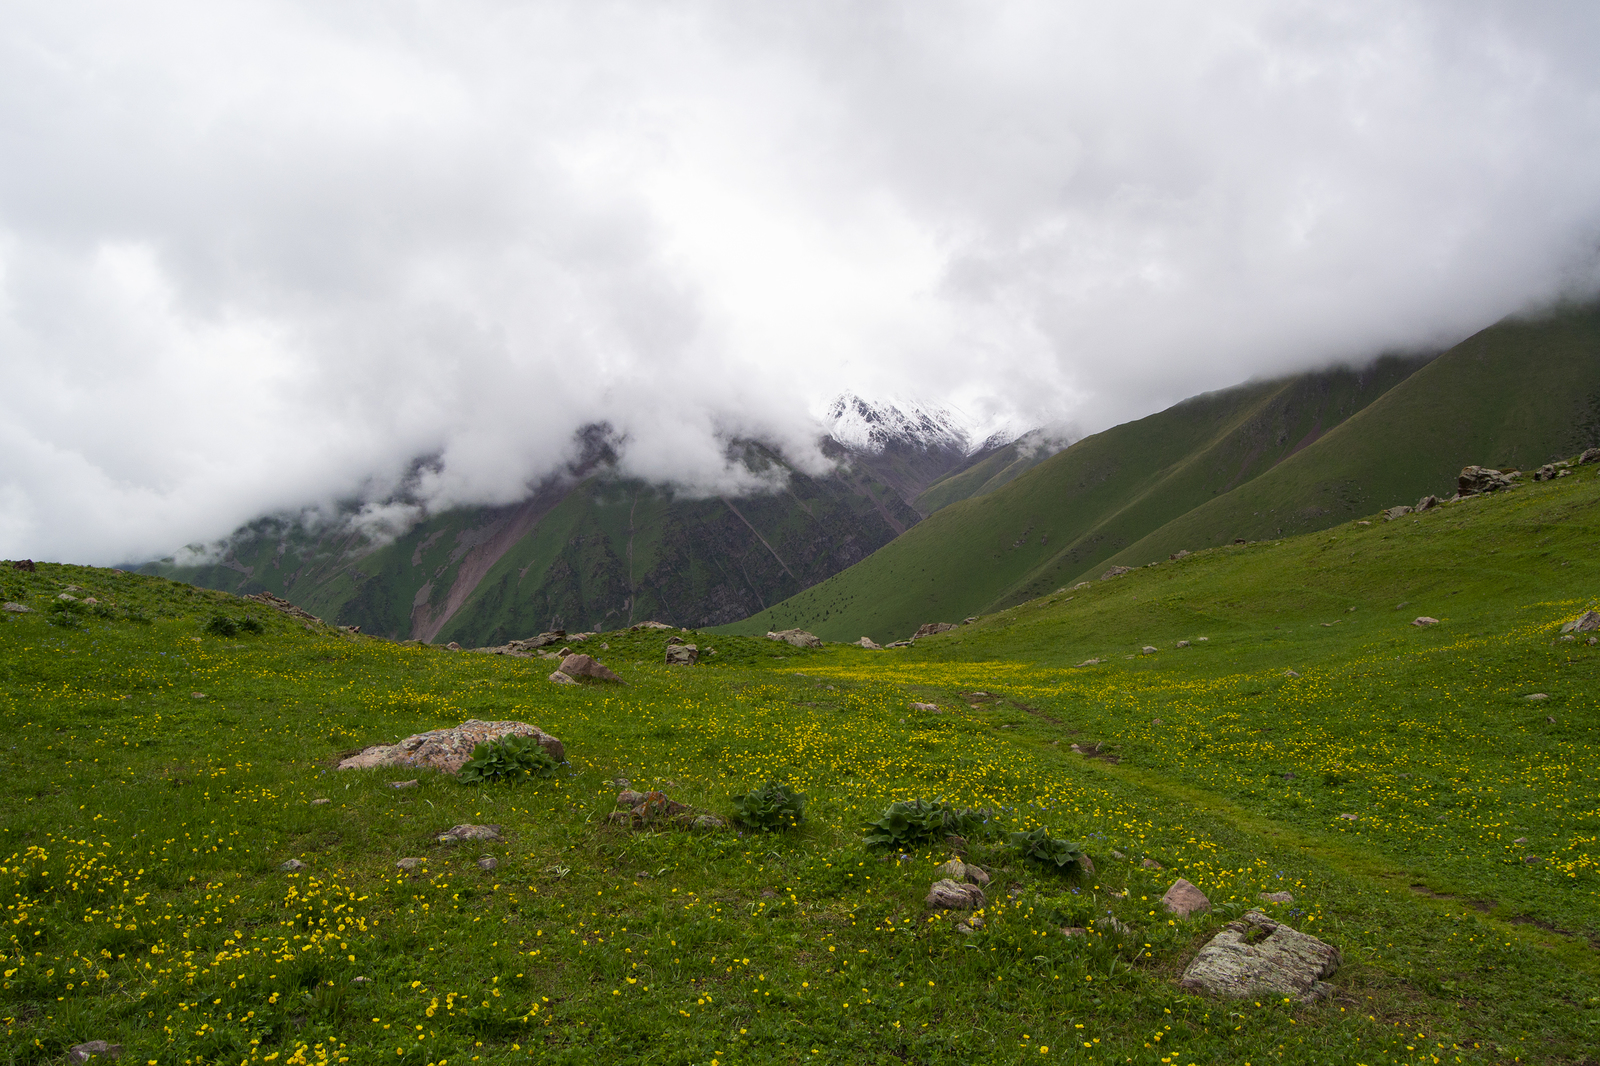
1261	460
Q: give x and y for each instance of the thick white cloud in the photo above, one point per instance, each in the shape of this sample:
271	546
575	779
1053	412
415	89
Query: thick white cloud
261	256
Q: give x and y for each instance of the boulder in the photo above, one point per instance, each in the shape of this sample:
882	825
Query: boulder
460	834
1590	455
94	1049
488	862
1396	512
963	872
449	749
1277	897
954	895
579	666
543	640
867	642
561	679
1116	571
1256	956
647	625
17	608
1183	899
630	798
928	629
1551	471
1587	622
931	708
682	654
969	620
27	564
655	808
1424	621
410	864
452	646
1477	480
1181	644
1428	503
1148	649
797	637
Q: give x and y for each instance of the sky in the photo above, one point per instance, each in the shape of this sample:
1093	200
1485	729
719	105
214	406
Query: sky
263	256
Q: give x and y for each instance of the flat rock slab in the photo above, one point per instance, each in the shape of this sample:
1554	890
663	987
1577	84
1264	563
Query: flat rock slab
449	749
1183	899
1257	956
460	834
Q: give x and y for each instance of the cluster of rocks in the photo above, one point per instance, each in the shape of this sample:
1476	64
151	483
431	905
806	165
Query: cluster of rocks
448	749
529	646
278	603
1116	571
656	810
959	888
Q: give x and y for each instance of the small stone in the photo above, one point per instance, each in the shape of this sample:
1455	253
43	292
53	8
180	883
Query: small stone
197	695
1148	649
708	822
621	782
360	980
1290	673
963	927
1183	899
953	895
94	1049
321	801
461	833
452	646
869	644
488	862
1074	930
682	654
410	864
931	708
1277	897
17	608
1117	854
1520	840
1537	696
1349	817
1151	864
630	798
291	866
561	679
1181	644
1115	571
1425	621
403	784
1551	719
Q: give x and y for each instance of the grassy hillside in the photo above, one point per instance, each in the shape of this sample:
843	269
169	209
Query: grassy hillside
984	474
1080	506
159	774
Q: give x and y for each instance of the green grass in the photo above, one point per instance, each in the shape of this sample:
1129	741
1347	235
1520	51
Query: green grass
144	825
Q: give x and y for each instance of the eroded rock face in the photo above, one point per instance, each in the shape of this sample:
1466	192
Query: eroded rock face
449	749
579	666
1257	956
797	637
954	895
1477	480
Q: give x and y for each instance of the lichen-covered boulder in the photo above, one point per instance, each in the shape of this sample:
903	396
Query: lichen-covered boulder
1257	956
449	749
953	895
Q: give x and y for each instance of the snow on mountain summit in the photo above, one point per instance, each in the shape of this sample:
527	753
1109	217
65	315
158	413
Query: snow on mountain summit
872	426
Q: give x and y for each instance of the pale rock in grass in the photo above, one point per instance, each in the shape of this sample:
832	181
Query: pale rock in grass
1116	571
1428	503
1181	644
561	679
682	655
1148	649
954	895
321	801
291	865
629	798
1424	621
1587	622
449	749
1257	956
403	784
1396	512
1151	864
488	862
799	638
706	822
1082	585
94	1049
452	646
956	870
1091	662
1590	455
1537	696
928	629
410	864
929	708
1074	930
1290	674
17	608
579	666
1277	897
648	625
1179	554
67	596
1184	899
1477	480
867	642
461	833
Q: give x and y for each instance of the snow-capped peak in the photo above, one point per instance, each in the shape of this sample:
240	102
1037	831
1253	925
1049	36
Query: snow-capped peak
872	426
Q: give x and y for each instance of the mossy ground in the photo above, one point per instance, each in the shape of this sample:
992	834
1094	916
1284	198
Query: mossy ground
157	776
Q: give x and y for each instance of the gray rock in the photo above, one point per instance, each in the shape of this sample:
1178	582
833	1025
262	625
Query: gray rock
1181	644
1277	897
1256	956
1396	512
1477	480
1148	649
930	708
94	1049
928	629
956	870
579	666
1116	571
1428	503
867	642
707	822
797	637
1183	899
411	864
648	625
321	801
1587	622
561	679
1151	864
630	798
682	655
1590	455
1290	673
452	646
1179	554
461	833
488	862
17	608
954	895
403	784
1424	621
969	620
1537	696
449	749
291	865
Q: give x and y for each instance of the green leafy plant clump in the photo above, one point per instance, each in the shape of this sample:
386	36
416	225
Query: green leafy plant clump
511	758
909	823
1038	846
769	808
